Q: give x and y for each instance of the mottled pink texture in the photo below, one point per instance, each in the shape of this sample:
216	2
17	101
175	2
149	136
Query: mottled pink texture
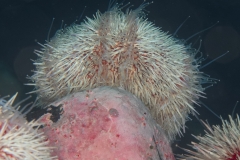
106	124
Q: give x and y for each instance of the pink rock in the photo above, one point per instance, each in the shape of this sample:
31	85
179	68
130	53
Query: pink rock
105	124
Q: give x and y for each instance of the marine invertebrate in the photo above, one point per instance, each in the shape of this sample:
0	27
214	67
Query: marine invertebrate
219	142
123	50
18	138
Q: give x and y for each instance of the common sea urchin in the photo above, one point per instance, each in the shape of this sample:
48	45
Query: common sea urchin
219	142
122	50
18	138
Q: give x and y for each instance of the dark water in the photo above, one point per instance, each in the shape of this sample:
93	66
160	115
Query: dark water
25	22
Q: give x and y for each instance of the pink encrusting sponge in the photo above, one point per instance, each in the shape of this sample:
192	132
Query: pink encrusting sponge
105	124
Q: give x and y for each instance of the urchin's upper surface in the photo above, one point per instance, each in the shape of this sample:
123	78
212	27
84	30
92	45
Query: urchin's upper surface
118	49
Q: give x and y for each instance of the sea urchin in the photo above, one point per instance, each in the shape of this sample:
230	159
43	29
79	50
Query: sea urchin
122	50
18	138
219	142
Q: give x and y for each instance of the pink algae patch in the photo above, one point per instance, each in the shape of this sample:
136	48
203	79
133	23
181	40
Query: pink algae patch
105	126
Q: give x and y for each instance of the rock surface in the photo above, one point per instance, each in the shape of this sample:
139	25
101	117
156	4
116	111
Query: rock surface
105	124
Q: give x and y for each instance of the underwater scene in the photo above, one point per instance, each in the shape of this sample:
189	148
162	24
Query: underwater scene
124	80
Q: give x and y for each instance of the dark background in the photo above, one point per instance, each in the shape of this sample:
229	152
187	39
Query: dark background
23	23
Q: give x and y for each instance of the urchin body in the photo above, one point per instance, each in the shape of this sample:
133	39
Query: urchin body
219	142
122	50
18	138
